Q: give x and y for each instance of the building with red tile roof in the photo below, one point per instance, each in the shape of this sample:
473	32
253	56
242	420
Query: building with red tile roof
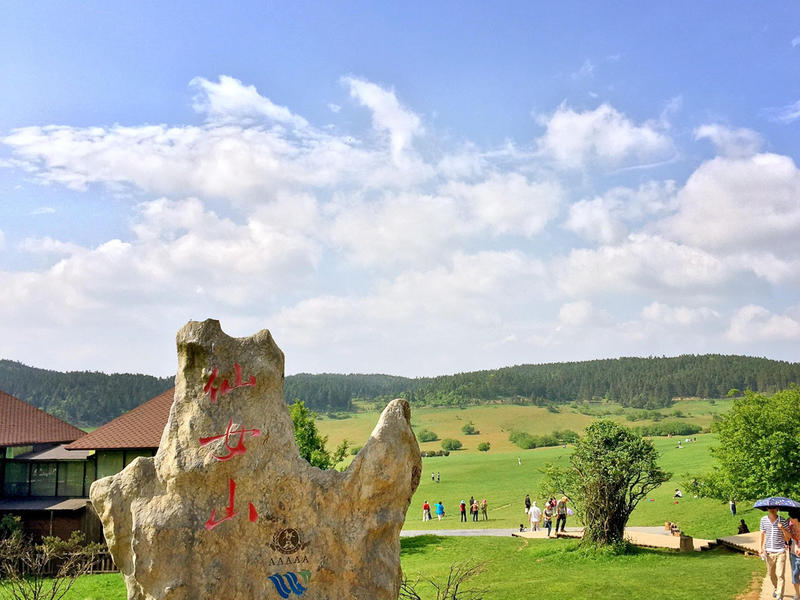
24	425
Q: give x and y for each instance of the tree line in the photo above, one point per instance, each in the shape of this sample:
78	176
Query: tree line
91	398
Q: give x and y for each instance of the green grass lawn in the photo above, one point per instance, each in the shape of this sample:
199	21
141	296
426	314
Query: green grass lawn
519	569
503	482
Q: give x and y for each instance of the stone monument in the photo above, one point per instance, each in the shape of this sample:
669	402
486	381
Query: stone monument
227	509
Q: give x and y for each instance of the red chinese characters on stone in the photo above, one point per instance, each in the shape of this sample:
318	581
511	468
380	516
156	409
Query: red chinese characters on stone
225	386
230	511
230	434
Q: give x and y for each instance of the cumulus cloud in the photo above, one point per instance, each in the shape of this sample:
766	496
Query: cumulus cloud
388	114
753	323
507	203
730	204
603	136
682	316
730	142
642	264
230	100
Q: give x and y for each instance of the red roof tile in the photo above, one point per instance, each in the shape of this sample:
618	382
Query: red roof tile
22	424
137	428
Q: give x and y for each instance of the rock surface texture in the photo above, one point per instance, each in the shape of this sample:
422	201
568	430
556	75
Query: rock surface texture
227	509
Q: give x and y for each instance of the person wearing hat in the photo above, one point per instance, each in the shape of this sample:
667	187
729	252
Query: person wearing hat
774	535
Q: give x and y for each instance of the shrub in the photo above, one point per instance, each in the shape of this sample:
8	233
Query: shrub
668	428
450	444
484	446
425	435
524	440
355	450
428	453
469	429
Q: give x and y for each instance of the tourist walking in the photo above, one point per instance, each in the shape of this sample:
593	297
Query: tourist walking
535	514
774	535
548	517
732	505
527	503
438	479
474	510
426	511
561	513
463	508
484	509
794	549
439	510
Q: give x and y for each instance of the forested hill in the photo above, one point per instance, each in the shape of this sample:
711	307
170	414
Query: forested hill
90	399
83	398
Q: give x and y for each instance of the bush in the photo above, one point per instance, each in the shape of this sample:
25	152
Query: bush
429	453
484	446
426	436
524	440
451	444
355	450
469	429
668	428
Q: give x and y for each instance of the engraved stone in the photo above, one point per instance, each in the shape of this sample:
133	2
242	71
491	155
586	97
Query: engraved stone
227	509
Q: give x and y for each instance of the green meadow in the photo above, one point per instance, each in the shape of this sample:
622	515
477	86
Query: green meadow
517	569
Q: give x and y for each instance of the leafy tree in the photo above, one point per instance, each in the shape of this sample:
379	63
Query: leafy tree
451	444
610	471
484	446
759	448
310	442
469	429
426	436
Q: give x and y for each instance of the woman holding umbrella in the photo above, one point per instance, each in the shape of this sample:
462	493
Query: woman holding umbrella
774	537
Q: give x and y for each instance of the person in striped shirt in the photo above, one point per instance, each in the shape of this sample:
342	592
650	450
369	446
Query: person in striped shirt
774	535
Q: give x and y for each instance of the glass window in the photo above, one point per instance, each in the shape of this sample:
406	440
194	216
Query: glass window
15	451
70	478
89	479
43	479
132	455
16	483
109	463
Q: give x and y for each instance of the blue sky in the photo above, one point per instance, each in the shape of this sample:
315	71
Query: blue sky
411	188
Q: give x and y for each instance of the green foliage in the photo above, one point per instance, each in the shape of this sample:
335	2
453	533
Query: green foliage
10	525
83	398
450	444
469	429
355	450
610	470
423	435
310	442
527	441
759	450
484	446
668	428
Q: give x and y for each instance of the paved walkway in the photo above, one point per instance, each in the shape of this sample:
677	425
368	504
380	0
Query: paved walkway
749	542
457	532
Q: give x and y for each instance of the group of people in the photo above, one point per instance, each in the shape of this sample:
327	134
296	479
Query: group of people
780	536
544	516
474	507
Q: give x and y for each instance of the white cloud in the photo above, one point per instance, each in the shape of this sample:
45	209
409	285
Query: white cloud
754	323
682	316
507	203
398	229
229	100
642	264
43	210
387	114
575	314
48	246
585	72
786	114
734	143
740	204
602	136
605	219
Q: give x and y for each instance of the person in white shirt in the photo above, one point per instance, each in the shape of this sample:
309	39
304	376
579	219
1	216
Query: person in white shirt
535	514
774	535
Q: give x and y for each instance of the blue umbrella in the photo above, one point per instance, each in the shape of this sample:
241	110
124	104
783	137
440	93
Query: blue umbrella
776	502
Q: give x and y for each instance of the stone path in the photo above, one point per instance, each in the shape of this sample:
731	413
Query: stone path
477	532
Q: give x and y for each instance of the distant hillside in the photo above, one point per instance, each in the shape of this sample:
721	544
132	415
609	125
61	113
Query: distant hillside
82	398
91	399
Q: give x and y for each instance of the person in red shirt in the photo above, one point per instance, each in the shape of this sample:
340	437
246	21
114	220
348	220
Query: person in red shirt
426	511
